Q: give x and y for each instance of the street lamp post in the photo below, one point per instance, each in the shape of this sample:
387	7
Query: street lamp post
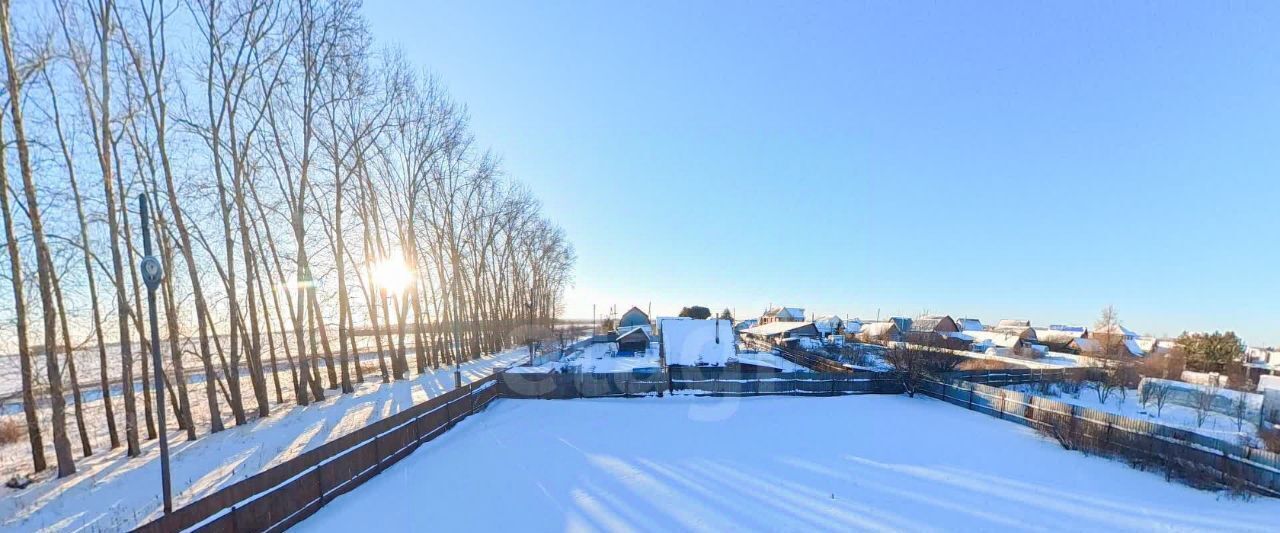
152	274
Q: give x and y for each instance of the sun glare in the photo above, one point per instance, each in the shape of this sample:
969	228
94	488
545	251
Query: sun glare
392	276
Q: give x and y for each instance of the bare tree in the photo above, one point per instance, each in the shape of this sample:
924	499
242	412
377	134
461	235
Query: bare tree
44	261
1202	401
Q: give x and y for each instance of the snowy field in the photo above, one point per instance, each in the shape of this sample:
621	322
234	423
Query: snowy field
113	492
779	463
1216	425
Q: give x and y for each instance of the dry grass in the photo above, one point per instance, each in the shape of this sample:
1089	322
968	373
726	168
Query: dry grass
1270	438
11	430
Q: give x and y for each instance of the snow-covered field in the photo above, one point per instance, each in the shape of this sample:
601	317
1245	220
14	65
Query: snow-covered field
771	463
112	492
1216	425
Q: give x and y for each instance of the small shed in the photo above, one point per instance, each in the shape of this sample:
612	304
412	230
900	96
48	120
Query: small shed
632	341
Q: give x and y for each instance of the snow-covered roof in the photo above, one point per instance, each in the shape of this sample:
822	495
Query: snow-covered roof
828	323
1133	348
876	329
786	313
1116	329
1060	327
996	338
958	336
692	342
1153	345
1010	322
1025	332
1087	345
634	331
970	324
1057	336
928	323
776	328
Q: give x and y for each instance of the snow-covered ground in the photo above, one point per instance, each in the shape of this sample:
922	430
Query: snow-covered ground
772	463
768	360
112	492
1216	425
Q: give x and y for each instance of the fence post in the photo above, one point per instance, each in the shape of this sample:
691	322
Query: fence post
320	486
1001	405
971	396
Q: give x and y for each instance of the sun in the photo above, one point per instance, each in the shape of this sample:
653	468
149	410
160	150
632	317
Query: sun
392	276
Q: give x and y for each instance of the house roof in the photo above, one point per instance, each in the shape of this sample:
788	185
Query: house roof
690	342
777	328
1010	322
996	338
876	329
1025	332
969	324
633	317
828	324
634	331
1087	345
1134	349
1057	336
1116	329
794	313
928	323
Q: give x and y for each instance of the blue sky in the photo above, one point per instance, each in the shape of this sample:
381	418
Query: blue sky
997	160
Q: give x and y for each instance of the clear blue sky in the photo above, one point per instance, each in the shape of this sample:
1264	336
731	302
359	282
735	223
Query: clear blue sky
997	160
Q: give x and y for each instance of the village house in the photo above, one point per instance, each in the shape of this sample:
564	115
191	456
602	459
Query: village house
829	325
782	314
970	324
634	317
1059	340
1011	342
882	331
783	333
936	330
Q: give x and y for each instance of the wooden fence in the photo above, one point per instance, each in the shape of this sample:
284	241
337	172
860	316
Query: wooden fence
1139	441
285	494
696	381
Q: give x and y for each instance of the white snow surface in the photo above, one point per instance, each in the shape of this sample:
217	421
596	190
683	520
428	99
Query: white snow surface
690	342
1216	425
772	463
113	492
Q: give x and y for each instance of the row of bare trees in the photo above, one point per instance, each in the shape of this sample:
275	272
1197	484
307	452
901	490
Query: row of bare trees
295	172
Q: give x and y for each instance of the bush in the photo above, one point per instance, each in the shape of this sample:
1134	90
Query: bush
1270	438
11	430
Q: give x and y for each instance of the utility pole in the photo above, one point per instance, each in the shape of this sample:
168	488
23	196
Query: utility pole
528	335
152	274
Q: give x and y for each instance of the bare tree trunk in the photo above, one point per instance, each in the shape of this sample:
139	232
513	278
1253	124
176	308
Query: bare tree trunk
69	350
61	446
104	380
20	303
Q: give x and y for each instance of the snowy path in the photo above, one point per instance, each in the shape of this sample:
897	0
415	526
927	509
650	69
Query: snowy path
112	492
731	464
